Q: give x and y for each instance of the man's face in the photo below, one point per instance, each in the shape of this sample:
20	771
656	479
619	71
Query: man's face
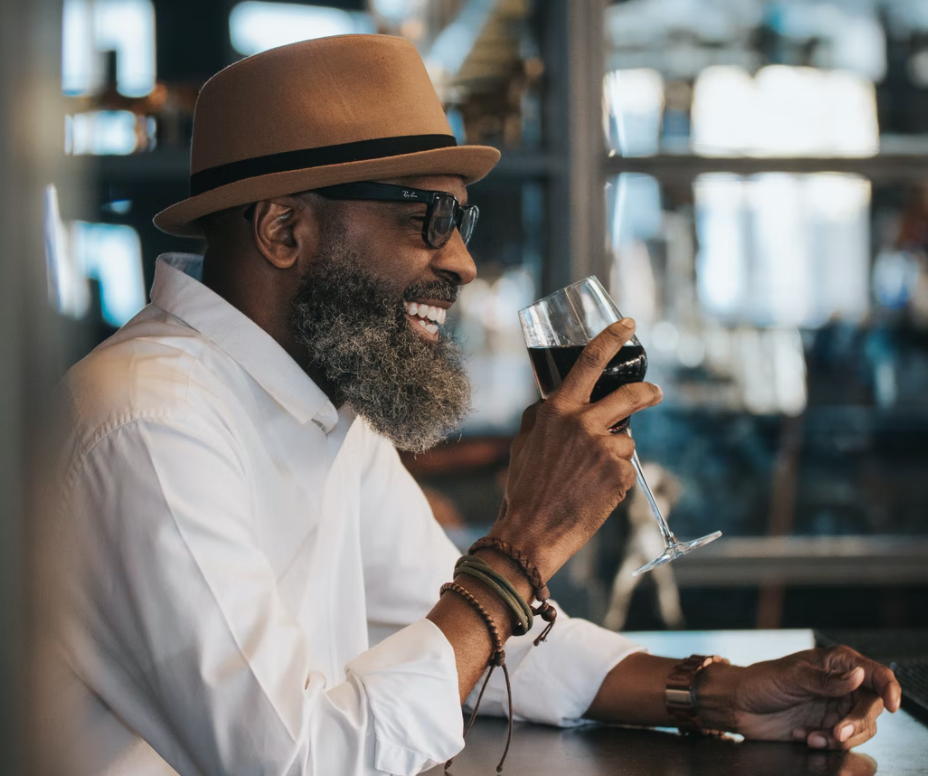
388	239
370	311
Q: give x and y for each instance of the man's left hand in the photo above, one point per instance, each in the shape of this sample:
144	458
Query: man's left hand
829	698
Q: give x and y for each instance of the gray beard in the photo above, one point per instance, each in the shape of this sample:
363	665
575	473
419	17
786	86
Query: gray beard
412	391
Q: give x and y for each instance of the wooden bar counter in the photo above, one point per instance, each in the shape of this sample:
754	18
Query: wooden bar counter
900	748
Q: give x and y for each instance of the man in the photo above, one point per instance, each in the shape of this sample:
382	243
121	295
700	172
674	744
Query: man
239	526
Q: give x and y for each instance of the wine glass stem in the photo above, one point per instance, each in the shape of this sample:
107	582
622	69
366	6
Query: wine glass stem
669	539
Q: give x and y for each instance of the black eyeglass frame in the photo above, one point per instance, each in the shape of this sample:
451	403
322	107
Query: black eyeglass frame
464	217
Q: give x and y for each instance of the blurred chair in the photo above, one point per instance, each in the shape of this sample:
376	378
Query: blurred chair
645	543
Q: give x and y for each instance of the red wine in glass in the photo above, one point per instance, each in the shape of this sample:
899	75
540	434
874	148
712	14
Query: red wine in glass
551	366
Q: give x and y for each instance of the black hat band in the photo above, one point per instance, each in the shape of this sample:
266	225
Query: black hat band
305	158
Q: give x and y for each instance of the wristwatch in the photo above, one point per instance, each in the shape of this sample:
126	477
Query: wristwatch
680	694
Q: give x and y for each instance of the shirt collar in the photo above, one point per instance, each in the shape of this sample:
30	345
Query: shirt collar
177	290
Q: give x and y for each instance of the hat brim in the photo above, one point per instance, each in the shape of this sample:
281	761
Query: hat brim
182	219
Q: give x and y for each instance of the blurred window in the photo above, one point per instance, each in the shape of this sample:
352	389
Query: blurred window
67	286
780	249
81	253
765	287
105	132
687	36
258	26
633	102
93	27
722	275
783	111
111	254
772	78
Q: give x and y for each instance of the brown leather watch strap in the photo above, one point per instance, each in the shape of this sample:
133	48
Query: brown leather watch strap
680	693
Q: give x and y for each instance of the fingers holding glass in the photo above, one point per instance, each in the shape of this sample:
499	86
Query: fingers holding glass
584	352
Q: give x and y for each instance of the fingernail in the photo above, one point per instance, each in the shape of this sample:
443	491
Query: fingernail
845	733
817	741
628	323
848	674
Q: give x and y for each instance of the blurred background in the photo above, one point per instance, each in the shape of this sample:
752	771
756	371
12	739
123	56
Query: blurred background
748	177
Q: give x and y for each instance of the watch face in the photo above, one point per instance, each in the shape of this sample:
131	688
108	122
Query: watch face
678	699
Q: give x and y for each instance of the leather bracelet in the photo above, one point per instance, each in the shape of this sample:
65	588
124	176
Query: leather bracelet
521	560
680	694
485	573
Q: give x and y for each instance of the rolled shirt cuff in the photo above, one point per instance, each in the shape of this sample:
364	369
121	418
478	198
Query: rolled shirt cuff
558	680
555	683
411	683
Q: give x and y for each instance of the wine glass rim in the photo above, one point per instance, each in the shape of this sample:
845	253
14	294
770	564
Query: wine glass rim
587	279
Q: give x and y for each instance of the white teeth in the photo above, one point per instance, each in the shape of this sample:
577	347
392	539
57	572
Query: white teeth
431	328
427	312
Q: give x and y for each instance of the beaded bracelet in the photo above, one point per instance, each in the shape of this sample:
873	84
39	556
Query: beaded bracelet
544	609
497	658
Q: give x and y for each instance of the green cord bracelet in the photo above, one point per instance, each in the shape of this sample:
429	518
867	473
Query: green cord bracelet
481	570
522	625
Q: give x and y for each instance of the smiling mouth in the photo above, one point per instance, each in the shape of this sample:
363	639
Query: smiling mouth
425	319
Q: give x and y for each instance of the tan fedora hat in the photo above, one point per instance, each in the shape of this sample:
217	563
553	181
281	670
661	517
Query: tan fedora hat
313	114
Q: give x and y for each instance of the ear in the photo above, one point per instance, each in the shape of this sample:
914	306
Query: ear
283	229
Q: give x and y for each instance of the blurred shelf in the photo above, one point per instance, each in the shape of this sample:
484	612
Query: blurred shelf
174	165
814	560
884	167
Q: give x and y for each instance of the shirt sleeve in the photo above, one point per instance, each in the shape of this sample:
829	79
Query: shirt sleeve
555	682
176	624
407	557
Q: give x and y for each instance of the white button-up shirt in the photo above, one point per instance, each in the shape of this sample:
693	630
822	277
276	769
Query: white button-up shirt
239	544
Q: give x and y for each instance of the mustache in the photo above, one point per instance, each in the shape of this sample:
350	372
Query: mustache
439	290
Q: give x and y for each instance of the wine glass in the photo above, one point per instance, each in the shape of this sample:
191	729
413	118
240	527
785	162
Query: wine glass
556	330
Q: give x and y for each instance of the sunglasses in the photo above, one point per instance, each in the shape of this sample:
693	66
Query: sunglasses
442	214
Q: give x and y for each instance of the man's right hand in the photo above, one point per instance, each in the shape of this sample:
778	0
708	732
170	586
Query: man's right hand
567	471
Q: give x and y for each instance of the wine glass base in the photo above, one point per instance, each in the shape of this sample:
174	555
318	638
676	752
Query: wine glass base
675	551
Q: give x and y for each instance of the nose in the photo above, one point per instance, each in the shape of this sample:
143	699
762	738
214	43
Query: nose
454	258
